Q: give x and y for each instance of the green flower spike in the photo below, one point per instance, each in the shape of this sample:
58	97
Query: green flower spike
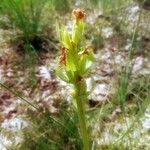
74	65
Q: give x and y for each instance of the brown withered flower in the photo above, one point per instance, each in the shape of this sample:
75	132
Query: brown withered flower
63	56
79	14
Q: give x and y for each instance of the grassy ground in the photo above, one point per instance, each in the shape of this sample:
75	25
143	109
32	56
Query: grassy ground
118	109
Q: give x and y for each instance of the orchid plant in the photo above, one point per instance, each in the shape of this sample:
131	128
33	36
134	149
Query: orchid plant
74	65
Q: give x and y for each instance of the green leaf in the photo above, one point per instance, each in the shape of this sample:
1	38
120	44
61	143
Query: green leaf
89	60
77	32
85	63
88	64
66	40
74	102
61	73
82	65
70	75
70	61
64	37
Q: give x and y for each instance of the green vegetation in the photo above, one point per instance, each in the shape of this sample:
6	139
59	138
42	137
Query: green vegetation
46	134
74	64
80	82
61	5
25	14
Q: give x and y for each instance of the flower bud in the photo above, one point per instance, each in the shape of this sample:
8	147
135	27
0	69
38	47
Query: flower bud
79	14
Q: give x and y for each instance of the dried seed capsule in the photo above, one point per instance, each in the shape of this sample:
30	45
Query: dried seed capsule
63	56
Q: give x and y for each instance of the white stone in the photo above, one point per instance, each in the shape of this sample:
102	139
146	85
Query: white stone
107	32
14	124
138	64
4	142
44	73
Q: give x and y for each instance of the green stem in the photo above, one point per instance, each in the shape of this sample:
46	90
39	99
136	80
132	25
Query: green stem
80	99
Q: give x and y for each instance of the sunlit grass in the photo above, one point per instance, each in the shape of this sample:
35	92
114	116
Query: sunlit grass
25	14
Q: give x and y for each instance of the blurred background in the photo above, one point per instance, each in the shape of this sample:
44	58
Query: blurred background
35	108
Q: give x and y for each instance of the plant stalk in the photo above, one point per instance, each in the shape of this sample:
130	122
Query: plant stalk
80	99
